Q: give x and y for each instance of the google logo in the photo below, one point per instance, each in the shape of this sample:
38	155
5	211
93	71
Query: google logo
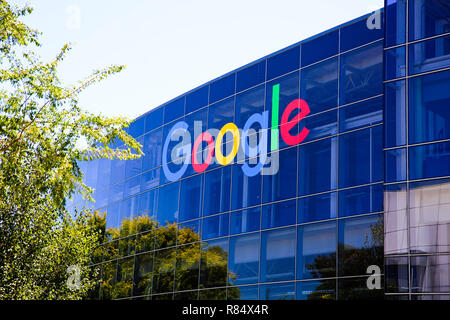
215	138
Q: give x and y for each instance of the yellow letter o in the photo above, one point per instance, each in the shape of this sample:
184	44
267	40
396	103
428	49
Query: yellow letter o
236	140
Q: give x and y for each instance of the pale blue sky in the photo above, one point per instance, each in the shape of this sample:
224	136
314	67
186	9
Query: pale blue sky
173	46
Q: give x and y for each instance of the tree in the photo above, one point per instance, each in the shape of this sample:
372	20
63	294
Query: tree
44	133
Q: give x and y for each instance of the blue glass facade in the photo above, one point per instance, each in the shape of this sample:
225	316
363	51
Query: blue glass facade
368	185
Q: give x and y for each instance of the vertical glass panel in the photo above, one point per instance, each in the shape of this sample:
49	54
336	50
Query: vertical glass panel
244	259
429	114
222	88
221	113
283	62
116	193
143	274
278	255
395	220
316	257
136	127
320	48
360	244
361	73
165	236
174	110
127	246
396	274
191	198
246	191
319	85
278	291
163	271
150	179
321	125
361	157
429	161
103	174
430	297
430	273
395	117
168	203
124	278
245	220
359	33
429	55
197	99
213	263
395	63
395	11
145	241
356	289
111	250
187	267
430	216
361	200
395	165
248	103
217	191
117	171
198	123
361	114
244	293
320	207
154	119
148	203
152	149
216	226
281	185
108	280
278	214
112	221
428	18
189	232
132	186
251	76
316	290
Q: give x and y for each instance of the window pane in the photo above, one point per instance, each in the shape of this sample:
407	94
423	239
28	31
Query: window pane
174	110
429	55
163	271
278	214
395	22
361	200
361	73
316	256
217	191
396	273
428	18
189	232
197	99
191	198
358	33
136	127
321	125
278	255
244	293
361	114
214	227
244	259
168	203
222	88
221	113
150	179
279	291
143	274
246	191
147	205
356	289
395	63
152	149
251	76
395	165
395	220
320	207
187	267
430	273
395	118
317	166
248	103
124	278
319	85
316	290
429	161
154	119
320	48
213	266
245	220
283	62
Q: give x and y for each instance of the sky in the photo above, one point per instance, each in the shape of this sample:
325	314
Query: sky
172	46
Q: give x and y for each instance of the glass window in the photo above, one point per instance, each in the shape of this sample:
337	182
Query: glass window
189	232
216	226
153	150
320	207
316	290
281	185
395	219
361	73
429	161
320	48
283	62
187	267
127	246
317	166
112	218
430	273
217	191
103	174
251	76
429	55
244	259
360	244
429	115
174	110
150	179
136	127
148	202
278	291
316	257
248	103
428	18
222	88
191	196
395	118
116	193
395	22
245	220
132	186
197	99
358	33
246	191
395	63
168	203
395	165
154	119
143	274
361	114
244	293
319	85
361	200
278	255
145	242
278	214
221	113
321	125
117	171
396	273
361	157
124	278
356	289
163	270
213	263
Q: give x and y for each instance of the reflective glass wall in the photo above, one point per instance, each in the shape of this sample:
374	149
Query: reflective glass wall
417	149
